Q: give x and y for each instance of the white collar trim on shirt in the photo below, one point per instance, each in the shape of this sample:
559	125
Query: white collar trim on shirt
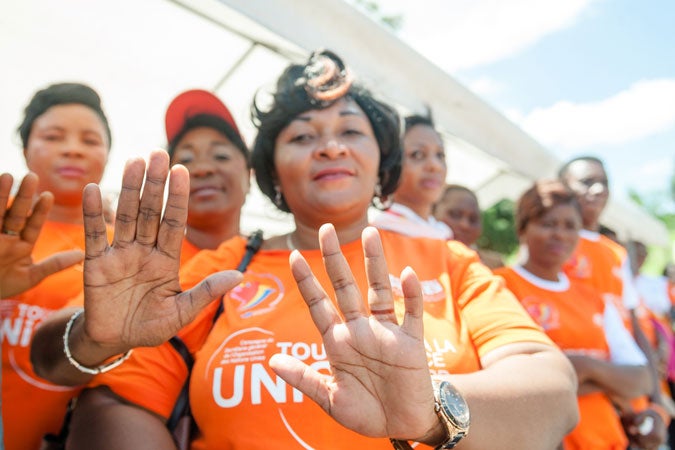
403	220
412	215
589	235
562	285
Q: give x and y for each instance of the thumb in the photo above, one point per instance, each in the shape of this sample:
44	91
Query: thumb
55	263
192	301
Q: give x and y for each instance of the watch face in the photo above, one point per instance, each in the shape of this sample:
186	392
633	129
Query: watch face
454	404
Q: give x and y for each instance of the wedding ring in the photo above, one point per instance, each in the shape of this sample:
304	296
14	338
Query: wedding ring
10	232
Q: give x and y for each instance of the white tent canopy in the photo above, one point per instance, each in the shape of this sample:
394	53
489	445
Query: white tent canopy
138	55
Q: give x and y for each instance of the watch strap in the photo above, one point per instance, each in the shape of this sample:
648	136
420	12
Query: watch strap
400	444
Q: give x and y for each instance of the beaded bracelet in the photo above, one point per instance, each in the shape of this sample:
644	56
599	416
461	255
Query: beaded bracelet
84	369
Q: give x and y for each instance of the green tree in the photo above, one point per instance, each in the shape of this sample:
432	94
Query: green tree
658	203
661	205
499	233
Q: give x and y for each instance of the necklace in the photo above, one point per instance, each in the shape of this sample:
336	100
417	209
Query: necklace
289	242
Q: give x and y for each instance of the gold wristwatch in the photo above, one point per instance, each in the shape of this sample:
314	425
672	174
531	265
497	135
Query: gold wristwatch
452	411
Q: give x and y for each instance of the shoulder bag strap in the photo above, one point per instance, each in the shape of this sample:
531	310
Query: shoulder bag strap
182	406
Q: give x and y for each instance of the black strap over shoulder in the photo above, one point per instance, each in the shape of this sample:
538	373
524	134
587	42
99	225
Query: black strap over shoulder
182	406
253	244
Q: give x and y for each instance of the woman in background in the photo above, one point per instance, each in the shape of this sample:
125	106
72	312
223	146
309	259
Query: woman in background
458	208
66	140
322	148
607	360
423	174
203	137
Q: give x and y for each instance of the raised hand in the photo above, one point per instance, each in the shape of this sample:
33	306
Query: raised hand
132	293
379	384
20	226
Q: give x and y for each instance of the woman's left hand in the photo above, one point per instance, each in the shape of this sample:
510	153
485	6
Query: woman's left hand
380	385
649	438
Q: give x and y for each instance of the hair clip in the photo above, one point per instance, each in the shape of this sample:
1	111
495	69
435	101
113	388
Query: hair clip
326	78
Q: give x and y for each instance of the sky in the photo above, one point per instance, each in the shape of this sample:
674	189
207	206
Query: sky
581	76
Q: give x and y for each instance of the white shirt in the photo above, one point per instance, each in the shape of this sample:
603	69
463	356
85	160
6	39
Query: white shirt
654	292
403	220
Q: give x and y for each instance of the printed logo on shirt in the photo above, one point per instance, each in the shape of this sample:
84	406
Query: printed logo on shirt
436	351
432	290
240	373
543	312
19	321
258	294
579	267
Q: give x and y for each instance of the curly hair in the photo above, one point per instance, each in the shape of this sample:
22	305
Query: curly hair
318	84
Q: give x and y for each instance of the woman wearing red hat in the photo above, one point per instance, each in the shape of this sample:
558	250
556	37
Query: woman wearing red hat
203	137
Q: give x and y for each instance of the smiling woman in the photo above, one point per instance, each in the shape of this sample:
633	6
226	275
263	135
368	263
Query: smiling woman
359	365
204	137
66	139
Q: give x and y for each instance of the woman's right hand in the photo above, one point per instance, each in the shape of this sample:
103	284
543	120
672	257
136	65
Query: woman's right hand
132	295
20	225
379	385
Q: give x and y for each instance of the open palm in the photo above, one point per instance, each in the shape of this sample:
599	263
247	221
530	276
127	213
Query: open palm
21	224
380	383
132	293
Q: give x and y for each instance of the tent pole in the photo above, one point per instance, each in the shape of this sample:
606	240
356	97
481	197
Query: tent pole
235	66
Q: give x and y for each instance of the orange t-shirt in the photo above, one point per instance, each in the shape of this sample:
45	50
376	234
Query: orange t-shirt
31	405
187	251
233	392
671	292
603	264
572	315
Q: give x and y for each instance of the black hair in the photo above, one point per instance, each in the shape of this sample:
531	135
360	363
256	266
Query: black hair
540	198
562	172
454	188
458	187
607	231
417	119
296	93
216	123
61	94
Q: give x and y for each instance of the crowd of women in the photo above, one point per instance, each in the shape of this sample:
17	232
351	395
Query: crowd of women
355	330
